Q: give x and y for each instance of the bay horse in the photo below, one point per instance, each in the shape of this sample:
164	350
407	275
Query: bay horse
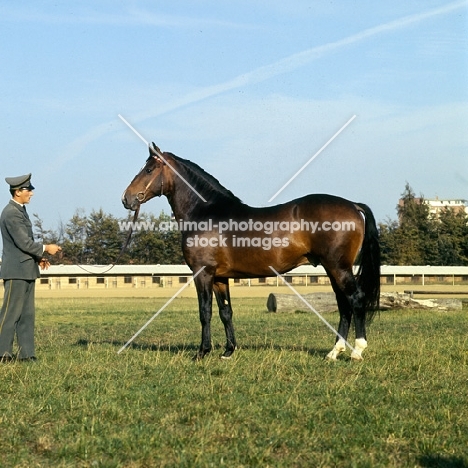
224	238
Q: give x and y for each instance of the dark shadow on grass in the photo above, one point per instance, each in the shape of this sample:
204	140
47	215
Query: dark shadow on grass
318	352
174	349
177	348
441	461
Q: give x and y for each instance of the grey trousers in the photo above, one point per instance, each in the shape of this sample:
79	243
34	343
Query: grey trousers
17	316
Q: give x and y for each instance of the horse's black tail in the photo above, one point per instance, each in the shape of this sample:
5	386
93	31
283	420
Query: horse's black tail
368	276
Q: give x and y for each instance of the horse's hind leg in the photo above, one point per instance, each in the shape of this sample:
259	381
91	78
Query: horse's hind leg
359	325
343	327
223	298
350	301
346	313
356	299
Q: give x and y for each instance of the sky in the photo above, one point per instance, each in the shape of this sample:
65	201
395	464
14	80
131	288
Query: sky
249	90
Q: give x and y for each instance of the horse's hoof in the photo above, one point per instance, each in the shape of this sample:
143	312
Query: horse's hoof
199	356
356	357
359	346
227	355
228	352
340	347
331	357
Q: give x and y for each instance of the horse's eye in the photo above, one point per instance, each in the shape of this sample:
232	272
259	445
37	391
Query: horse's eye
148	170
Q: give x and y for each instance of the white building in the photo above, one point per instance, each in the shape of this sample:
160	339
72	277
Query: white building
436	205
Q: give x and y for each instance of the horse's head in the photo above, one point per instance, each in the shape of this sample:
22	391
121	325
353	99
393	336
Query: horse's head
151	181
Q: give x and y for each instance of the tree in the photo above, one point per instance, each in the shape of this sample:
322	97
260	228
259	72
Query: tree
46	236
415	235
74	239
98	238
418	238
389	252
452	238
103	238
159	243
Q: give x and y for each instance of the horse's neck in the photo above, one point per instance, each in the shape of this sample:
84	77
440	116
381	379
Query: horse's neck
185	203
177	208
194	198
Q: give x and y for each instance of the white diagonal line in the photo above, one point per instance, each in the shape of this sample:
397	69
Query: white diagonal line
311	308
160	310
261	74
131	127
312	158
193	190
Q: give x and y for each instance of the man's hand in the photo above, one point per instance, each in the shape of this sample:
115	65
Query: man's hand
52	249
44	264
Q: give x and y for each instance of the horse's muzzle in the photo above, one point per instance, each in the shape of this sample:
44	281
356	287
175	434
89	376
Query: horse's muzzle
130	203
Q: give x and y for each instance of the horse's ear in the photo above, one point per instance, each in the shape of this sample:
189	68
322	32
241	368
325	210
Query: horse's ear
154	150
156	153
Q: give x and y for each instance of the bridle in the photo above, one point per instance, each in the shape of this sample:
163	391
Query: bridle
141	196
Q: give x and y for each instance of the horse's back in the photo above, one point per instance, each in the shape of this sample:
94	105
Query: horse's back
316	228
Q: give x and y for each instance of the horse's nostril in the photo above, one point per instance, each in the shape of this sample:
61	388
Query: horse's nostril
124	198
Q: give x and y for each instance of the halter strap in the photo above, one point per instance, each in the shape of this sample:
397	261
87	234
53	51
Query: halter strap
142	195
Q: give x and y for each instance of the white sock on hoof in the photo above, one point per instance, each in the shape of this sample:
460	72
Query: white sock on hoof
340	347
359	346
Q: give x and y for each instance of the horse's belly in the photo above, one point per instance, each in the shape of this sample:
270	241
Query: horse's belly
249	264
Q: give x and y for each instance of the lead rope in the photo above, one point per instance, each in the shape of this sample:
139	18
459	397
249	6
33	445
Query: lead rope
140	197
124	247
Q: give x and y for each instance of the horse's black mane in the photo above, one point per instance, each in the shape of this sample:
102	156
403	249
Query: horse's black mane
205	183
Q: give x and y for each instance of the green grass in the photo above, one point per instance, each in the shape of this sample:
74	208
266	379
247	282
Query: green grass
276	403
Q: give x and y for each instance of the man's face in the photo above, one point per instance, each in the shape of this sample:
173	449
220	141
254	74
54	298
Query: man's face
24	196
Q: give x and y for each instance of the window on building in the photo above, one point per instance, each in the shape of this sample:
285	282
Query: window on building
128	280
100	280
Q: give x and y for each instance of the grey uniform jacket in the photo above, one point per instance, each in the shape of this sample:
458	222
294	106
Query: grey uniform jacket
20	253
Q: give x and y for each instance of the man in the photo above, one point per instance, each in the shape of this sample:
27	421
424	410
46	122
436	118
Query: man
21	259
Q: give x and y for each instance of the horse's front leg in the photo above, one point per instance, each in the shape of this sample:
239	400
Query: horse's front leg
204	284
223	298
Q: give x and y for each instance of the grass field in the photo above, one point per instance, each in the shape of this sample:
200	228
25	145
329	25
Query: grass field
276	403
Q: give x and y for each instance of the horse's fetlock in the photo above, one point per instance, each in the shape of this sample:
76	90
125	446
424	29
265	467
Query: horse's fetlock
359	346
